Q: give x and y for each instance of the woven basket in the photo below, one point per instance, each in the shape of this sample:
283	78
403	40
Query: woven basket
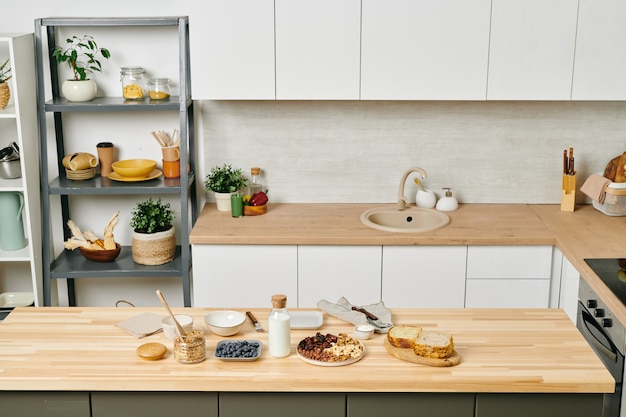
155	248
5	95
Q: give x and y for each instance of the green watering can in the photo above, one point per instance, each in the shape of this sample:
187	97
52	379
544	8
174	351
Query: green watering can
11	223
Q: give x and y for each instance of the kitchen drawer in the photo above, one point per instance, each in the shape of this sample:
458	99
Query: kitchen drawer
406	404
154	404
512	262
48	404
282	404
507	293
539	405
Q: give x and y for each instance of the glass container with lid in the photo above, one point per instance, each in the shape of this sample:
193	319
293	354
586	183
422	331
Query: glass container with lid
132	82
159	88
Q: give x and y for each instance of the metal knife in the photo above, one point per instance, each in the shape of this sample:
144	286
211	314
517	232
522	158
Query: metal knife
257	325
372	318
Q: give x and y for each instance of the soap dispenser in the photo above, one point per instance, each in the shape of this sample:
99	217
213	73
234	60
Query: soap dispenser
447	203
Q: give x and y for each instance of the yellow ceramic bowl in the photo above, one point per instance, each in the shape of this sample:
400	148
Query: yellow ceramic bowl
134	168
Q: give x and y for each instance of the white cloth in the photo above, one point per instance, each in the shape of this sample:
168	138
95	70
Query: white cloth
343	311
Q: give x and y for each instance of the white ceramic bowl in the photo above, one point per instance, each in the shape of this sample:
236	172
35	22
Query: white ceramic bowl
363	331
225	322
170	329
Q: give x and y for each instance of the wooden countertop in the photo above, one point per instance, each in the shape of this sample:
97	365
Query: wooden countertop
503	350
584	233
340	224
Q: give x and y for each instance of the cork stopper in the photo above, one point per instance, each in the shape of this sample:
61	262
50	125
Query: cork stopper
255	170
279	301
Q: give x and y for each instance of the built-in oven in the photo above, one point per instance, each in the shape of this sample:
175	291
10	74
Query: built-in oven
606	336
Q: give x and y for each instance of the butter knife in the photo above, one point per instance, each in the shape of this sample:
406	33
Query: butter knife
257	325
372	318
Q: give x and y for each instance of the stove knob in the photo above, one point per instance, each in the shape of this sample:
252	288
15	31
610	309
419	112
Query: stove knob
592	303
599	312
607	322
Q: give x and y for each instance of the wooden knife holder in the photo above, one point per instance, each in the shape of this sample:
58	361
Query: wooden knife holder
568	193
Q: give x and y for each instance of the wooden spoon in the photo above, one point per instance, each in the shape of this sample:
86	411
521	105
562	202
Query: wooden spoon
179	328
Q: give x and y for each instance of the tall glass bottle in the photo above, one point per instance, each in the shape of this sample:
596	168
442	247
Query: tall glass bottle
279	327
254	186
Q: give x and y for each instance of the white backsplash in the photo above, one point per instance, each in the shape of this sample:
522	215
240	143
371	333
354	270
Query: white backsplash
356	151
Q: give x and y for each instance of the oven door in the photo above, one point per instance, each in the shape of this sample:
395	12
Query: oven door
608	353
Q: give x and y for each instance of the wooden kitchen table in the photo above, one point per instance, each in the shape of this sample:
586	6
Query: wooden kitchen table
76	356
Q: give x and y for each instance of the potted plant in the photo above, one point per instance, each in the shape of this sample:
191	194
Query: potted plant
223	181
5	92
82	56
154	240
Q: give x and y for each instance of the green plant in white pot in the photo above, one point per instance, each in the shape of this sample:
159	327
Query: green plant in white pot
82	55
223	181
154	239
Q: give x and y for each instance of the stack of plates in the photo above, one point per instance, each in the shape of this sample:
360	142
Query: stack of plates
80	174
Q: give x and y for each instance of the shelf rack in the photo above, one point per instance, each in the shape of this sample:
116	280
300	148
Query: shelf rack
70	265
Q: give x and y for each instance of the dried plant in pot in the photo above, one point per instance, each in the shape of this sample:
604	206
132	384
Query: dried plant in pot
153	240
5	91
223	181
82	55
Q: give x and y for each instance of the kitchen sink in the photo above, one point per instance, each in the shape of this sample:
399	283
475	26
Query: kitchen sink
410	220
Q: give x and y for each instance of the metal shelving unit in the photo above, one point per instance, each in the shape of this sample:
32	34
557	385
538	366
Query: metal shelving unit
72	265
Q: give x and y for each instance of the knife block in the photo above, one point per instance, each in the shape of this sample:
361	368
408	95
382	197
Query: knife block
568	193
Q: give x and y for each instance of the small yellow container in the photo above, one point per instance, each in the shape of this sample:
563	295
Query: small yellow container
159	88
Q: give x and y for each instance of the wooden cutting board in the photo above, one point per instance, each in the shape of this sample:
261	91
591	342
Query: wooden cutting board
410	356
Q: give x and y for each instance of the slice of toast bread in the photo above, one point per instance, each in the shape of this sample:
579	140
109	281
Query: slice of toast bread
404	336
434	345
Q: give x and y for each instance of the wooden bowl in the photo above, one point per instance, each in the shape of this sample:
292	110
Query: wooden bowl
254	210
134	168
101	255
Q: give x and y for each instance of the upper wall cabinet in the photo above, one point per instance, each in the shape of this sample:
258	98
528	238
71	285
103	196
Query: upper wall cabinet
318	49
424	49
233	50
600	59
531	52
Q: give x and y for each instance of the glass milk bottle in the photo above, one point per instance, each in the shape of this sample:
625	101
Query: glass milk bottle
279	325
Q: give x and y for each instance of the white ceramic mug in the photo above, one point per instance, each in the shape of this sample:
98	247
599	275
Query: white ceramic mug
169	328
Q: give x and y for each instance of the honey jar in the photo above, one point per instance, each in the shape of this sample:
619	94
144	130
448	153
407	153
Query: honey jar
132	82
159	88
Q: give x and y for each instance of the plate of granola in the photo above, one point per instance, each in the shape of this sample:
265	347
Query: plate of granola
330	350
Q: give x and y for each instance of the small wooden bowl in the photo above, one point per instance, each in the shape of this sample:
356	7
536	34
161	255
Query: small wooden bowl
101	255
254	210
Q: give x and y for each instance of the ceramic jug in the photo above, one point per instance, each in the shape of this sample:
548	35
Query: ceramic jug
11	223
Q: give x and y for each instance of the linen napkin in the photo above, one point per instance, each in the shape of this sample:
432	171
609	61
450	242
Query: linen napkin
595	187
343	311
142	325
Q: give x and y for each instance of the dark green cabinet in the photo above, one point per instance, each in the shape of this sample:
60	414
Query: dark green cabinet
539	405
44	404
410	404
154	404
282	404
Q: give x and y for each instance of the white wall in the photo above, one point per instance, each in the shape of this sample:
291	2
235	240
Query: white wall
488	152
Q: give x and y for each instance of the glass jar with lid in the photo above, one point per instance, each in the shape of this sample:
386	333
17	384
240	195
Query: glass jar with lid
132	82
159	88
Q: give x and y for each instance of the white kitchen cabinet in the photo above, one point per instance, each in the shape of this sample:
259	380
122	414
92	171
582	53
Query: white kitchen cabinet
600	44
531	53
508	276
318	49
568	294
21	269
331	272
232	53
424	49
231	276
424	276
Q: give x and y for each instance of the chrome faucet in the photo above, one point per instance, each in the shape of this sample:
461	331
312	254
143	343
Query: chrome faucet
402	201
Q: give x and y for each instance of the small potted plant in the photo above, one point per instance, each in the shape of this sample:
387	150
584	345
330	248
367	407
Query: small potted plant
5	92
82	56
223	181
154	240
